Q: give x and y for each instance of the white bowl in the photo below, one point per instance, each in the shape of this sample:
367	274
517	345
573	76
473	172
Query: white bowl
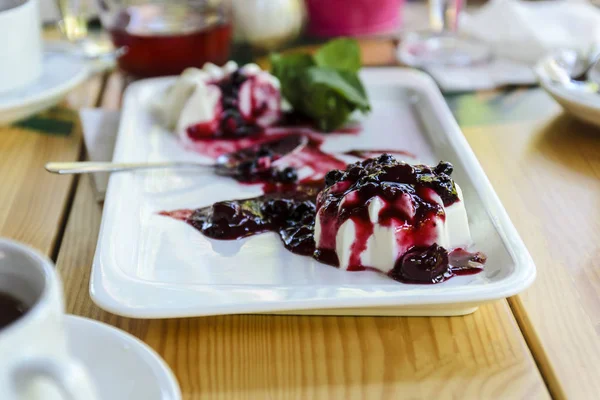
582	100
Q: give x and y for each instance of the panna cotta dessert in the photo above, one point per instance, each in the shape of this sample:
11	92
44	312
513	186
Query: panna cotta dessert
221	102
393	217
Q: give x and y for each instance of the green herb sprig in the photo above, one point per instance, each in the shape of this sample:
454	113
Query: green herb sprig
325	86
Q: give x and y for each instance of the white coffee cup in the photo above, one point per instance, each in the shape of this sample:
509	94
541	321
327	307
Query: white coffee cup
34	359
20	43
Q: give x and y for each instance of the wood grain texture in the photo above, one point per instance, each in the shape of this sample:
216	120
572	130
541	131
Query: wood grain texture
547	174
479	356
32	201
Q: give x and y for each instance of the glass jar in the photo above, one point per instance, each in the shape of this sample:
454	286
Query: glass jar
163	37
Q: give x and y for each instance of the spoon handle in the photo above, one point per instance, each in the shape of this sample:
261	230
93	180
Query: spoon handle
86	167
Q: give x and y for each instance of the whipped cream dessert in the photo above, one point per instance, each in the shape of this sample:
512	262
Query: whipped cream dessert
390	216
221	102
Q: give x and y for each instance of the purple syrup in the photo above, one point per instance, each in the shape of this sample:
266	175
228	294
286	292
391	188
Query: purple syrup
257	164
290	210
290	214
256	156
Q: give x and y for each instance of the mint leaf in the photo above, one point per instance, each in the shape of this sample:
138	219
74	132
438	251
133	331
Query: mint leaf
329	98
326	107
353	80
288	68
342	83
324	87
342	54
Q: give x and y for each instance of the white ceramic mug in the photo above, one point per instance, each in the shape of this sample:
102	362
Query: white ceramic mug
20	43
34	359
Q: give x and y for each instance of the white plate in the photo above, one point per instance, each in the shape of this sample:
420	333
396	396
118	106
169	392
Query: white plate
121	366
579	103
149	266
62	71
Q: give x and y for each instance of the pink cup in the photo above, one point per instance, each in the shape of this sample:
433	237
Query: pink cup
328	18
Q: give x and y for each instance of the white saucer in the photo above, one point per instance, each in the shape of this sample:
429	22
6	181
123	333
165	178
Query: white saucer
62	71
121	366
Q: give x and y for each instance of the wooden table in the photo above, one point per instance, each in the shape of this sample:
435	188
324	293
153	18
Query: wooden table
543	343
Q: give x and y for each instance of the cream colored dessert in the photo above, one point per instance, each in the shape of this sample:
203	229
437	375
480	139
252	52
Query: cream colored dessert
377	211
220	101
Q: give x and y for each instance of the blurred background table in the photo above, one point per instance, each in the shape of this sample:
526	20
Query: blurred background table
543	343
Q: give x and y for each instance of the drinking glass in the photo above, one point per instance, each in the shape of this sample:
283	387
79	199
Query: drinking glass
160	37
441	44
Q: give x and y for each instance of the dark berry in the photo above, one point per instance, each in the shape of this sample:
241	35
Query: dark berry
225	210
386	159
264	152
444	167
287	175
302	209
308	218
333	177
422	264
356	172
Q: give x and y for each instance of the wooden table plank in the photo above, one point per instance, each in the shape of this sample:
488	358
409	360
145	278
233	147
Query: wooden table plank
547	173
33	202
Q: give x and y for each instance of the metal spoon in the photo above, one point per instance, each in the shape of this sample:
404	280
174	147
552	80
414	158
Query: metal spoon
224	165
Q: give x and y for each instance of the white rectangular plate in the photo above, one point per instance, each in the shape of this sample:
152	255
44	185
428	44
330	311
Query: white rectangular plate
150	266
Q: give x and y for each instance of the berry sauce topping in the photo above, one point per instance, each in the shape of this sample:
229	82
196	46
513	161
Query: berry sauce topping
256	157
290	214
246	105
408	191
416	192
258	163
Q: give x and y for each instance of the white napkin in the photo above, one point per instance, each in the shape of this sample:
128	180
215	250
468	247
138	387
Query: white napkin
525	31
519	34
100	129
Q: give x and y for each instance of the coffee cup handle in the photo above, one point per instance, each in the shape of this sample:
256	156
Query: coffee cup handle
69	376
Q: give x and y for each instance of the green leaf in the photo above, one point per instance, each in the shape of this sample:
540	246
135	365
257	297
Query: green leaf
339	82
342	54
353	80
324	87
329	98
288	69
326	107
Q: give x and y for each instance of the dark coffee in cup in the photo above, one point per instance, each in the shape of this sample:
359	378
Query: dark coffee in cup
11	309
